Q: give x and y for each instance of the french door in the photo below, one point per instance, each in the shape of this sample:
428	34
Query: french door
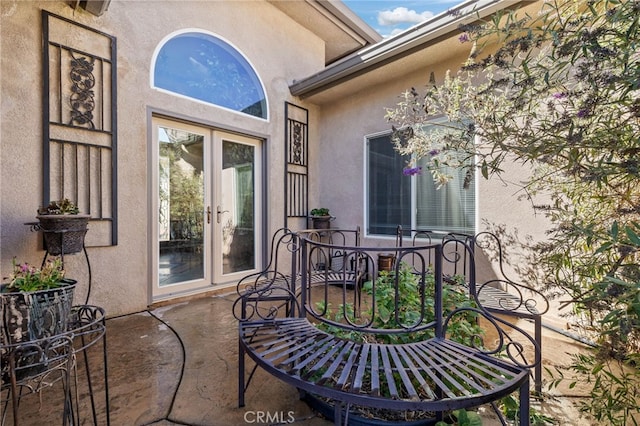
205	208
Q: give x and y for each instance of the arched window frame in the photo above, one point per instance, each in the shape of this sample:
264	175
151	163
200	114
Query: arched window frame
232	47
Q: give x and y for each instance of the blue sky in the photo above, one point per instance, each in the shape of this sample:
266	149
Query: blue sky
389	17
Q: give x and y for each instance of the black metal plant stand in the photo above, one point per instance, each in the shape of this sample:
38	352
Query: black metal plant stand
35	365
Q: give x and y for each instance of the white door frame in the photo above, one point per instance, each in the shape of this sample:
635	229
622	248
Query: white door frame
213	195
223	205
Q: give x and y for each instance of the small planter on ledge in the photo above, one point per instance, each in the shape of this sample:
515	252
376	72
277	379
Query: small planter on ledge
62	227
320	218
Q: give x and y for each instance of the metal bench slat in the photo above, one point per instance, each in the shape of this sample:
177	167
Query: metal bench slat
363	362
338	361
300	352
499	370
266	337
375	372
329	355
421	353
401	369
388	371
458	383
416	373
317	351
295	347
464	379
347	371
301	349
286	341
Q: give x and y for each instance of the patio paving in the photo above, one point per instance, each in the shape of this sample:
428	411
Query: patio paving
177	365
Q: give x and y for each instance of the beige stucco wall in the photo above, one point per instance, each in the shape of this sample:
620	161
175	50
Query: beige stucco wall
278	48
345	124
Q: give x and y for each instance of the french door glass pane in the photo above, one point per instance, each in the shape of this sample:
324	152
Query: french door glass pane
238	199
181	206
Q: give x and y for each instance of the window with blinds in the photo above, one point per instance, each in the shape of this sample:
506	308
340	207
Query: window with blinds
413	201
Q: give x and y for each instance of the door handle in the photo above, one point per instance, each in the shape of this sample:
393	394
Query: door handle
208	214
219	213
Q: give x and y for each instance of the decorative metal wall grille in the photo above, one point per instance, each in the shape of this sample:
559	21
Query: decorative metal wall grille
297	167
80	122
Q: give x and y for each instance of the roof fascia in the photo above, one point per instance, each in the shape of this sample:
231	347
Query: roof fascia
417	37
352	22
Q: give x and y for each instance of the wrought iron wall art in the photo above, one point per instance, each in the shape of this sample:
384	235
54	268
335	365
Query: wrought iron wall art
79	110
296	165
82	97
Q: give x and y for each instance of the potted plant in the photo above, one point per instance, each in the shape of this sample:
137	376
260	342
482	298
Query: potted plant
34	304
63	227
320	218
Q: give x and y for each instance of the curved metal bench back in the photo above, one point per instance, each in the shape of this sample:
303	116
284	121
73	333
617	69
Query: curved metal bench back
274	291
341	301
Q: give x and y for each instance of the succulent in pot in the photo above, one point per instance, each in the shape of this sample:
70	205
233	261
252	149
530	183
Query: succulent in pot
321	218
64	206
320	212
63	227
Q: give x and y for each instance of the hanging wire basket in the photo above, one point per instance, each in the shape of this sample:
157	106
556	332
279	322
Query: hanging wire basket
63	234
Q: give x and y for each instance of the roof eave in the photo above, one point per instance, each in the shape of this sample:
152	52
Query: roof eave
393	48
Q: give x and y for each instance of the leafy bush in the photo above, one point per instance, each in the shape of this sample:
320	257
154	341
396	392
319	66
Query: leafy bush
557	90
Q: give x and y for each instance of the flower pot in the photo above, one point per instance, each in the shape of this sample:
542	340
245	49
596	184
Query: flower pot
26	316
321	222
386	262
63	234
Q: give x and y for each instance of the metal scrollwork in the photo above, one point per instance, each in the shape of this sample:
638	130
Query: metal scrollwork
297	143
525	355
82	99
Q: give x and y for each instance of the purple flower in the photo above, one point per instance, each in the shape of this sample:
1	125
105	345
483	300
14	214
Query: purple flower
464	37
582	113
434	152
410	171
560	95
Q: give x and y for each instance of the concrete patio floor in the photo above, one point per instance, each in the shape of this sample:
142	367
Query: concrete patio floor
177	365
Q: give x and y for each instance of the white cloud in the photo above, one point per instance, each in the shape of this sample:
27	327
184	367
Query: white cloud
402	15
393	32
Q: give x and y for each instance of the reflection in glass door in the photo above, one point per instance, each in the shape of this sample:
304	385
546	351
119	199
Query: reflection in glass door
205	208
181	207
237	196
237	203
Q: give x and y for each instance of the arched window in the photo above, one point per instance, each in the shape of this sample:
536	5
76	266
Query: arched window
204	67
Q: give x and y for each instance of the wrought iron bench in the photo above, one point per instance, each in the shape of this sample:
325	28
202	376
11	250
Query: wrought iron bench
499	295
329	344
276	281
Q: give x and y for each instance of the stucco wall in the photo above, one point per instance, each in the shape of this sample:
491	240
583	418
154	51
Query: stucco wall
278	48
346	122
